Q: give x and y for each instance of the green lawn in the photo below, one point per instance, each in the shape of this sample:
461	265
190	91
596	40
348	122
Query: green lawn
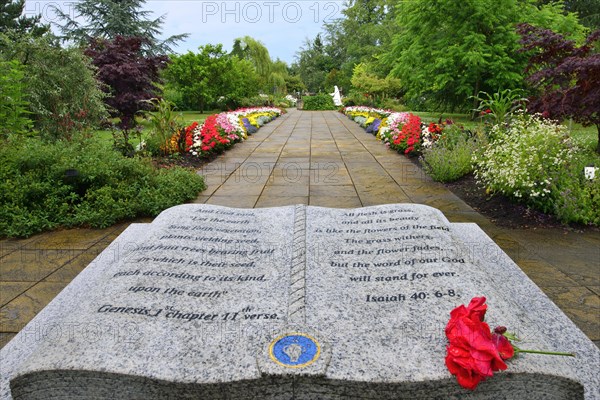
185	118
463	119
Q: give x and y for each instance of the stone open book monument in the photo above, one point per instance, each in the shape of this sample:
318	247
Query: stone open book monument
291	302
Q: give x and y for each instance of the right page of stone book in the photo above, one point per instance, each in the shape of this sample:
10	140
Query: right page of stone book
380	284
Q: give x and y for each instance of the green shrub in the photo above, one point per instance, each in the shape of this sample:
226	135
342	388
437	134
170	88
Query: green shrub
454	135
82	182
173	95
534	161
393	104
255	101
500	105
63	94
13	111
524	160
449	160
318	102
577	199
356	98
164	122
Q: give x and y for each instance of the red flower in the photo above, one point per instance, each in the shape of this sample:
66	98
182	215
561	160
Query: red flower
189	141
475	353
189	135
472	354
503	345
191	127
474	311
409	136
434	128
473	358
210	134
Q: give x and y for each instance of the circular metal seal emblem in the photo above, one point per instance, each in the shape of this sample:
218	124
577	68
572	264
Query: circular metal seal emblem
294	350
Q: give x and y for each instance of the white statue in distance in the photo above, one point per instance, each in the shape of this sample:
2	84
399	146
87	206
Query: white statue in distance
337	98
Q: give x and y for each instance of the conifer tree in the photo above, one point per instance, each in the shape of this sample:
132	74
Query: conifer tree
107	19
13	20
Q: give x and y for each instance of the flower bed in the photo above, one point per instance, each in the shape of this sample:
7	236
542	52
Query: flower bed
221	131
400	131
529	159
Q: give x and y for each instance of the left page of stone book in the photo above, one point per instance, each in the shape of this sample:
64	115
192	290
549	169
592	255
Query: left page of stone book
192	304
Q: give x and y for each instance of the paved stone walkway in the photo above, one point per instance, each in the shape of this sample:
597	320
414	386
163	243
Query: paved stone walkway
316	158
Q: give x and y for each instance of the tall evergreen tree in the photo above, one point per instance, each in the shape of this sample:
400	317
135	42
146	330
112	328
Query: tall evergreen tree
368	28
363	33
587	10
107	19
313	64
13	21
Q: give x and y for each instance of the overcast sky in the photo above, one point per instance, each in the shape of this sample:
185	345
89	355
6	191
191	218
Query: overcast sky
281	25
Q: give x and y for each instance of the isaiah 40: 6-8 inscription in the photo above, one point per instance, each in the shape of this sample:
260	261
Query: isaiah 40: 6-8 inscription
388	255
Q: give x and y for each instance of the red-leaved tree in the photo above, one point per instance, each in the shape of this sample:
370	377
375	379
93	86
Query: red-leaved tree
566	77
129	76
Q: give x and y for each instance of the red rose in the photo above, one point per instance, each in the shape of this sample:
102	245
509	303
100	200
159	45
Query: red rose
459	363
472	354
475	311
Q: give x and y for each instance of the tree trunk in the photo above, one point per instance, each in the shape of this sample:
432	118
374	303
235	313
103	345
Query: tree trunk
475	101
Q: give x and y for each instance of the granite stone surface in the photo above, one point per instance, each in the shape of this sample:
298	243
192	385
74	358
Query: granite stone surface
381	282
291	302
44	325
